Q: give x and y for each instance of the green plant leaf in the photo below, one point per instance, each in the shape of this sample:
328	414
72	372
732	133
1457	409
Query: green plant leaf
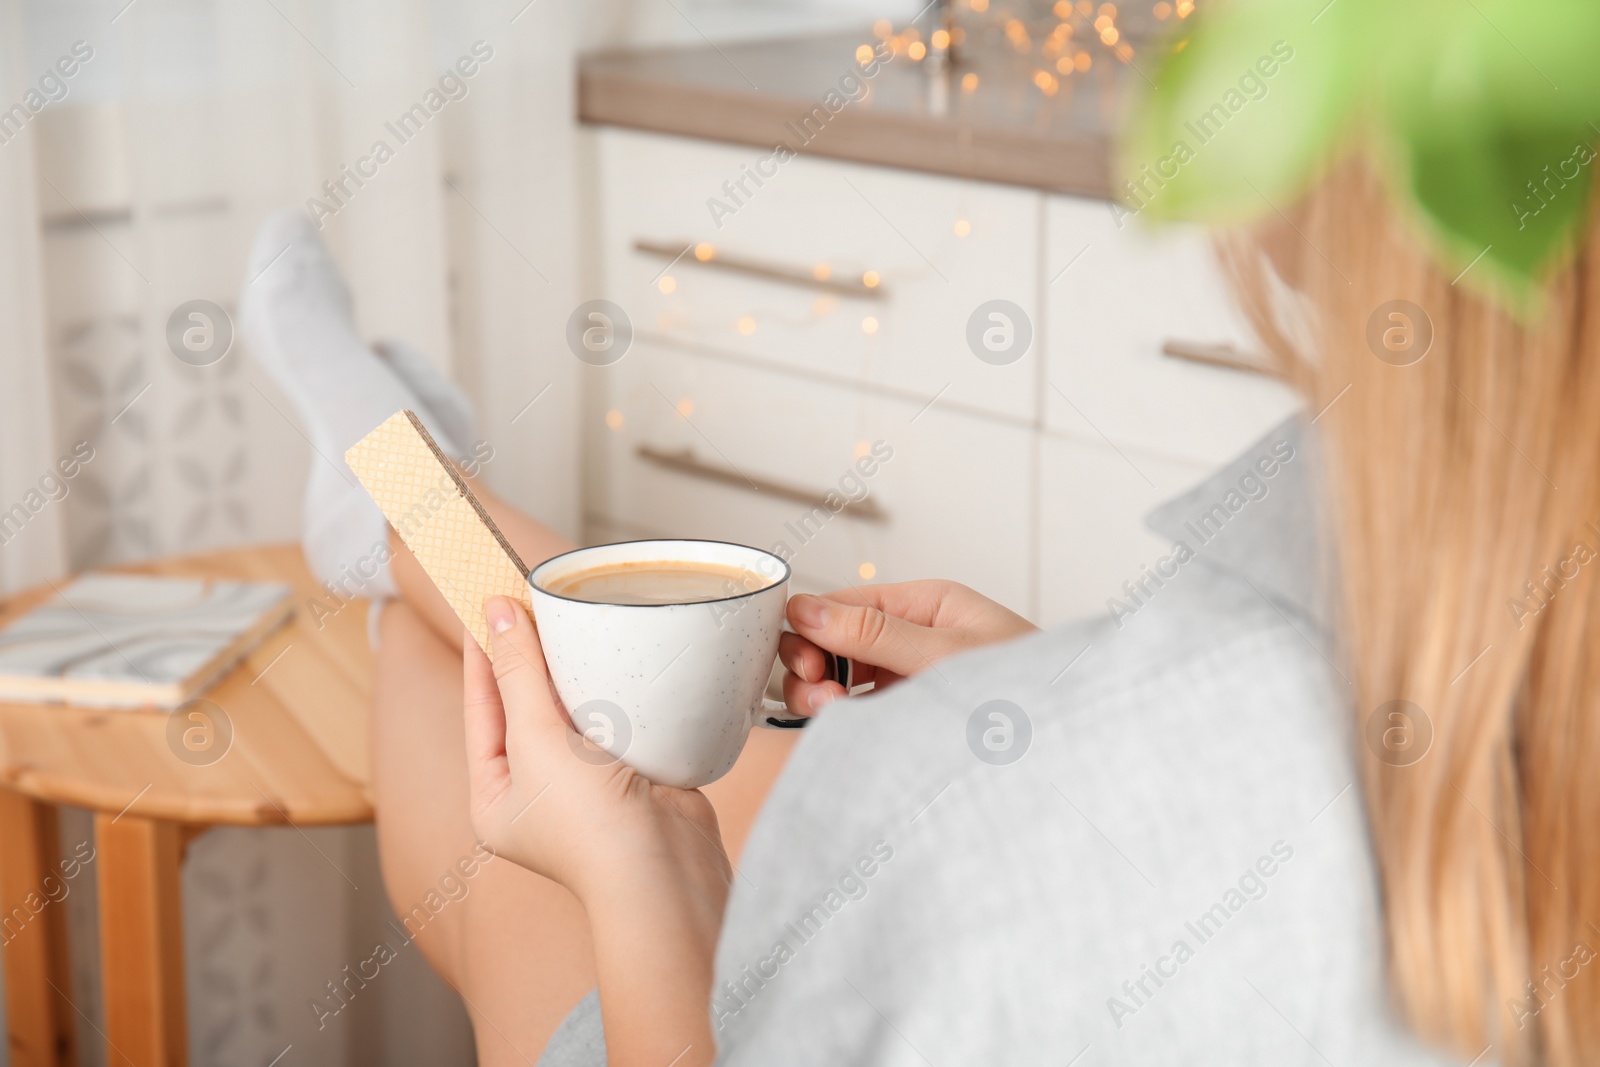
1225	137
1517	199
1488	112
1490	120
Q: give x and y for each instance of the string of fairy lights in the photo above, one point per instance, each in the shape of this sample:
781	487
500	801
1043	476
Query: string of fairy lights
1062	40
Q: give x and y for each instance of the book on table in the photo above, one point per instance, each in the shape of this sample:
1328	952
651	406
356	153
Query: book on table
136	641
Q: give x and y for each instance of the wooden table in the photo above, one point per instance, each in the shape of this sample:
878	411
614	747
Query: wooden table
298	708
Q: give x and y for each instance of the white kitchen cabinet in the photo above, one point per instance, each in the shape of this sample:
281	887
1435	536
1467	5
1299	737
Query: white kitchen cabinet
705	447
939	247
1092	503
1116	296
750	391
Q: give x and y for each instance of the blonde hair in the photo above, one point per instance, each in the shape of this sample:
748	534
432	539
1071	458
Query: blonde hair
1461	487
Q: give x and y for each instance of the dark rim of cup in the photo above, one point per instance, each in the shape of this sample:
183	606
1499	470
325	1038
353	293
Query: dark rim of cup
787	571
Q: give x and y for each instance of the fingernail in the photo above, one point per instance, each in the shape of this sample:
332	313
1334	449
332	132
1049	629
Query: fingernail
500	613
809	611
819	699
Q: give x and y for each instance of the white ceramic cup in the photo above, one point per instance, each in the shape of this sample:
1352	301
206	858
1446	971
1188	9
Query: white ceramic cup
670	689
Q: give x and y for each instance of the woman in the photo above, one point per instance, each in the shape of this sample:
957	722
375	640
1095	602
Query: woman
1289	811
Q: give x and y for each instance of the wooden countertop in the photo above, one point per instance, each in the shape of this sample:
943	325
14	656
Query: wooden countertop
1005	131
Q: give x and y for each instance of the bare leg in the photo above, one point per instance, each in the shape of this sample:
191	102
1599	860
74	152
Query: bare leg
517	947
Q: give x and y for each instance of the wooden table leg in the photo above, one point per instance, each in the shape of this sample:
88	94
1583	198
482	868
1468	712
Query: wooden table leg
141	940
33	928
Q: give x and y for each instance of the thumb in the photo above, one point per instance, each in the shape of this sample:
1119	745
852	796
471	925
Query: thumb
865	634
488	770
520	672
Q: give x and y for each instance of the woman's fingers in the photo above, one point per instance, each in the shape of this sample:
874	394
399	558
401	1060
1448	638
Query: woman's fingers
805	673
808	698
801	658
488	773
804	659
923	602
810	664
808	686
866	634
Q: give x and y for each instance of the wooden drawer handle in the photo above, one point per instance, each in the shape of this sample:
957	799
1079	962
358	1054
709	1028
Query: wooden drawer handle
683	252
1225	356
684	462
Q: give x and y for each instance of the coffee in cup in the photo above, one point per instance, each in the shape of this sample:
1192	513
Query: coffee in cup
661	650
650	581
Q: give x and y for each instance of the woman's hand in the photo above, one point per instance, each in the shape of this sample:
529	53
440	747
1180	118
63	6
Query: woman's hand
646	862
888	632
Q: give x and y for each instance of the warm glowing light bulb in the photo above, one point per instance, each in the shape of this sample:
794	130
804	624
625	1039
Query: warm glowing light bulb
871	278
822	272
614	419
1162	11
867	571
969	82
962	227
1064	65
864	54
869	325
746	325
980	6
1083	61
917	51
941	38
667	283
883	29
704	252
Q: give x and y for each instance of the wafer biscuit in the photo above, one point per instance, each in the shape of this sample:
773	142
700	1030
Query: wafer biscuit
430	506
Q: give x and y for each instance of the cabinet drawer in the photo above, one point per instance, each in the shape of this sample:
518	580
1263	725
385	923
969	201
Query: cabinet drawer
1092	503
1129	293
784	281
700	447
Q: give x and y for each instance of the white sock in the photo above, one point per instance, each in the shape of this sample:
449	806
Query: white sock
441	396
343	535
297	316
295	313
